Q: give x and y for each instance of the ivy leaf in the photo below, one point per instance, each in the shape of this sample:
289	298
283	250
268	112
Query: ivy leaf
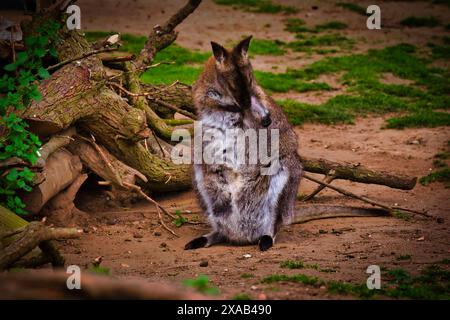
40	52
10	67
21	57
12	175
30	41
53	52
43	73
35	94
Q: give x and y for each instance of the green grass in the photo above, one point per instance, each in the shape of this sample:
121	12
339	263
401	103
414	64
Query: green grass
292	264
366	94
332	25
297	264
201	284
442	155
130	43
301	278
298	26
441	175
428	119
283	82
99	270
352	7
320	40
247	275
420	22
267	47
299	113
440	51
241	296
433	282
261	6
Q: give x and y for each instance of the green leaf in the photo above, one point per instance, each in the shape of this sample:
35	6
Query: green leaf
43	73
21	57
10	67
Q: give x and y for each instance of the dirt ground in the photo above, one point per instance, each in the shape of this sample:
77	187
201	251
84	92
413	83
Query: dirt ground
133	243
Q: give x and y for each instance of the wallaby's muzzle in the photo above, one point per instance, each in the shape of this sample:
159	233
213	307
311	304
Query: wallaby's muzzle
266	121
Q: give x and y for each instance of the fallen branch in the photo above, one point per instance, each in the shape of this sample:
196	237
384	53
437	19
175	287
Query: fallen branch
34	234
57	141
358	173
365	199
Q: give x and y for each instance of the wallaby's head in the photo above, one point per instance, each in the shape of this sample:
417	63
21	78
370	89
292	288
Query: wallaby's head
231	84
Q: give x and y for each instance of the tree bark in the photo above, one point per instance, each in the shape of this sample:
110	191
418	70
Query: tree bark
358	173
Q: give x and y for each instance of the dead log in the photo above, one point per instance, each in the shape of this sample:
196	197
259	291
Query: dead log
57	141
358	173
32	235
43	284
10	227
61	211
61	170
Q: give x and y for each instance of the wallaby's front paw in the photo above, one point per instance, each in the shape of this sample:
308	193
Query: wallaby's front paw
196	243
265	242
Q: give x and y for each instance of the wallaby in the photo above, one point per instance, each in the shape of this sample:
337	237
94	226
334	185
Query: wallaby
243	205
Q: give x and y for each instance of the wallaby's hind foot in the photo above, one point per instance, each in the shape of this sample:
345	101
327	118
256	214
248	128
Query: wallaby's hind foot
204	241
196	243
265	242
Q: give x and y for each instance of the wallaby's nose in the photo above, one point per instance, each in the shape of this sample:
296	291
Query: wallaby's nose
266	121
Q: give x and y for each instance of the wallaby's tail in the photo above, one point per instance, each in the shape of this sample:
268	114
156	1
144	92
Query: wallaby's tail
308	212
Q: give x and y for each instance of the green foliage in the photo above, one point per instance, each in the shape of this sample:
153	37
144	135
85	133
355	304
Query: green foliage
180	220
441	175
420	22
242	296
19	89
352	7
201	284
263	6
296	25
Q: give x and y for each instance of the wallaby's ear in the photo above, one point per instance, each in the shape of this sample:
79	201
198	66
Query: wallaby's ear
242	46
219	52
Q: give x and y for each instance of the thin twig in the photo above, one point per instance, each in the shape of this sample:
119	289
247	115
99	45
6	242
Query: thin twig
328	179
163	224
365	199
172	107
85	55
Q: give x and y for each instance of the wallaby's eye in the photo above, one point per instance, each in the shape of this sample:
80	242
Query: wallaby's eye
214	94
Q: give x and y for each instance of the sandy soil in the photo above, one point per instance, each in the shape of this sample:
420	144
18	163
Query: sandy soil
133	243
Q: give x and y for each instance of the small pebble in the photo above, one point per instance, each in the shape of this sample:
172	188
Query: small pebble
204	263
